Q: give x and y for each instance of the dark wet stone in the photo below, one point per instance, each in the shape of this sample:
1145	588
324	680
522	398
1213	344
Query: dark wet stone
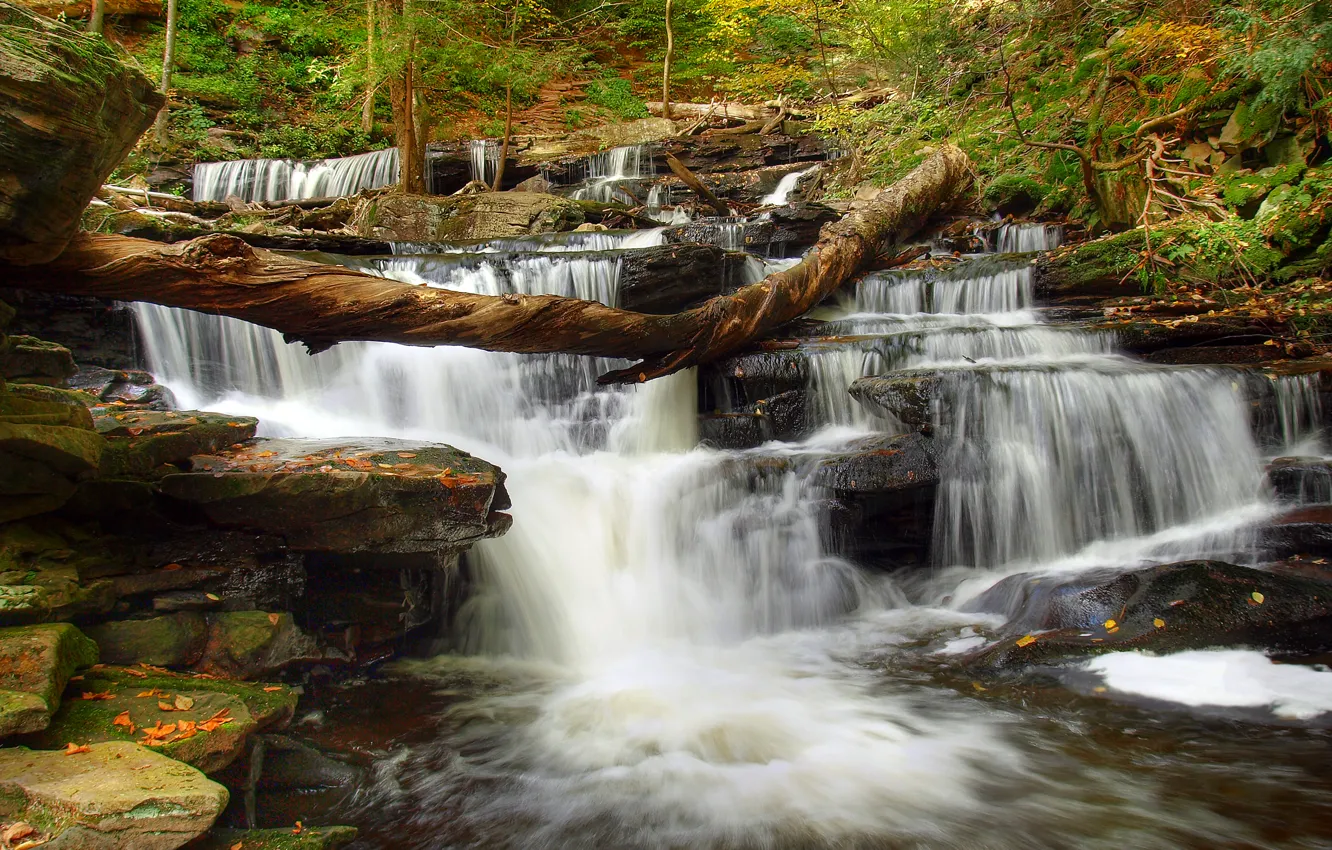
737	381
176	640
1302	480
877	465
309	838
907	398
29	360
339	496
670	278
146	443
1169	608
289	763
779	417
1304	531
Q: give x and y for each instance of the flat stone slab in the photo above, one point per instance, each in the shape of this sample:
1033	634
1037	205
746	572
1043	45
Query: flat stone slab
115	796
38	661
142	442
341	496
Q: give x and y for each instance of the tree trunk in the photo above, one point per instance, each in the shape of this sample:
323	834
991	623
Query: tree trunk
508	133
97	16
69	112
323	305
402	97
168	62
705	194
736	111
666	66
368	108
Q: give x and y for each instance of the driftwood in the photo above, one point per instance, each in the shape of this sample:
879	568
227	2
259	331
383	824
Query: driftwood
738	111
323	305
699	188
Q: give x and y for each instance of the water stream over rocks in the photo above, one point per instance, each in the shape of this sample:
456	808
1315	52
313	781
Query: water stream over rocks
669	650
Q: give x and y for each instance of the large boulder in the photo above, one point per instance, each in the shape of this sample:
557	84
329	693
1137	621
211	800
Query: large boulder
37	661
147	443
1169	608
670	278
115	796
69	113
490	215
339	496
214	719
174	640
908	398
30	360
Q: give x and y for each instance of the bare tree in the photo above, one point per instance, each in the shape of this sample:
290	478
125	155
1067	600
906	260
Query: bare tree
168	62
98	15
666	65
368	108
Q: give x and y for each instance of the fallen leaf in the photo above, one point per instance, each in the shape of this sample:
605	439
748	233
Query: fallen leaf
405	455
172	567
17	831
139	674
98	696
76	678
184	703
297	830
273	618
166	706
214	597
1111	624
1257	597
1026	640
123	719
237	846
1159	623
155	692
978	686
1099	689
272	688
72	748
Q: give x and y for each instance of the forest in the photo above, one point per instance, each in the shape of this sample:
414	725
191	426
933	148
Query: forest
665	424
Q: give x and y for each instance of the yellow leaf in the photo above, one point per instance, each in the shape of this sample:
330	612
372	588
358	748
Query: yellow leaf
1026	640
1111	624
184	703
1159	623
1257	597
978	686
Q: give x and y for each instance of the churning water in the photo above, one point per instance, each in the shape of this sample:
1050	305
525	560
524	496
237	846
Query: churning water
663	652
286	179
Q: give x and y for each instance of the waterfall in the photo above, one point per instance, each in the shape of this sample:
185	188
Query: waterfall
982	287
1024	237
611	176
1299	410
485	159
780	196
286	180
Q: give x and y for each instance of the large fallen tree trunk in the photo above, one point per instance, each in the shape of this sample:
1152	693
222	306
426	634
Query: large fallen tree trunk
739	111
323	305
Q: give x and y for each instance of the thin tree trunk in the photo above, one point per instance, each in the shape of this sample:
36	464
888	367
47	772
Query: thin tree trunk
168	62
402	96
368	108
97	17
823	52
666	65
323	305
508	110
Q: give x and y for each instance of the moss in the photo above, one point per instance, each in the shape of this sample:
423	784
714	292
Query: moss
1012	193
1240	191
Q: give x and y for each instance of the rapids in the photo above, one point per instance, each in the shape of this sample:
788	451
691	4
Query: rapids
664	651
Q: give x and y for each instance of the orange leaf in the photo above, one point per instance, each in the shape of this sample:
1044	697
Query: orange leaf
123	719
406	454
139	674
272	688
172	567
98	696
237	846
1026	640
155	692
273	618
297	830
72	749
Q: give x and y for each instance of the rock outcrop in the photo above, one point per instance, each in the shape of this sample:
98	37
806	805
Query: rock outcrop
492	215
35	665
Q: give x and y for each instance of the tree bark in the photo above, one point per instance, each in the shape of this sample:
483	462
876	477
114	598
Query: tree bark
704	193
368	108
402	97
666	65
736	111
97	16
168	62
508	111
323	305
69	112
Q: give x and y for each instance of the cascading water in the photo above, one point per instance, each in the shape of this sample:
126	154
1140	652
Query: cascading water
781	196
285	179
663	652
484	159
1024	237
614	175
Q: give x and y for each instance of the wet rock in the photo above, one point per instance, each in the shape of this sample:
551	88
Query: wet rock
54	402
1302	480
713	154
38	661
146	443
493	215
1153	338
116	796
30	360
309	838
1169	608
878	465
289	763
336	496
41	579
142	699
535	183
1304	531
99	331
670	278
737	381
127	386
173	641
779	417
252	644
907	398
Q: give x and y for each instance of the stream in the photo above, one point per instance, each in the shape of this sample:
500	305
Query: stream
666	651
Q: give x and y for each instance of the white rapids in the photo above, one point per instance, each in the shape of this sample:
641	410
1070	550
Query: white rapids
684	663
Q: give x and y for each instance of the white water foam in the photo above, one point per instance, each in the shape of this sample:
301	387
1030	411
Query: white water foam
285	179
1226	678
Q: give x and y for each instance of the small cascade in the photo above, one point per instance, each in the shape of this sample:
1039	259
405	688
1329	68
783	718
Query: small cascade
485	159
989	286
1024	238
781	196
613	175
545	243
254	180
1299	413
659	209
831	371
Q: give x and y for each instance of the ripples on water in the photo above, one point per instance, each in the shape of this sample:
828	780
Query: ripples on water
661	653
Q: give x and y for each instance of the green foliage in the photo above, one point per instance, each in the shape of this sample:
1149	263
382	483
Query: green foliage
617	95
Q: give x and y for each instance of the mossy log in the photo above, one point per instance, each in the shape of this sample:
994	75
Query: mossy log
69	112
323	305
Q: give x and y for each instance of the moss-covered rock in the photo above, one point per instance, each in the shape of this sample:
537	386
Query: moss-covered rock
39	660
493	215
115	796
250	644
21	712
153	697
35	361
1012	194
144	443
308	838
175	640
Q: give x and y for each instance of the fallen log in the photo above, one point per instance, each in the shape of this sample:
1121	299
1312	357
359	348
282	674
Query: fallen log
697	186
323	305
739	111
